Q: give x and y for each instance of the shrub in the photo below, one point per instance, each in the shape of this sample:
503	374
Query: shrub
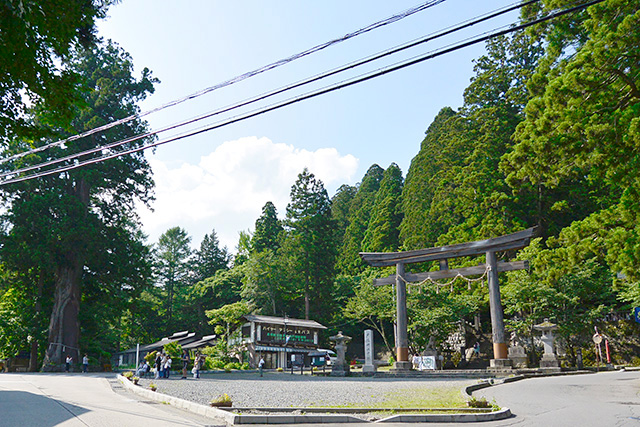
174	350
456	358
128	375
478	403
153	386
280	370
222	400
151	358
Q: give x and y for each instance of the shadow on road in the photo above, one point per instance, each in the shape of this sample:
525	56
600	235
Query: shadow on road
21	408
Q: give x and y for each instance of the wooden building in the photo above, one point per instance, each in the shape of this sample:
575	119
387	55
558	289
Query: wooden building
281	341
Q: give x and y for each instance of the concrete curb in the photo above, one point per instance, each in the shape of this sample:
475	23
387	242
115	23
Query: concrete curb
196	408
312	418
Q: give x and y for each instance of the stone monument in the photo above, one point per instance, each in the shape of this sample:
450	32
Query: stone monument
369	364
549	359
340	368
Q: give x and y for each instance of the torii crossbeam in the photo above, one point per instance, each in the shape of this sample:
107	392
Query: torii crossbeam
487	247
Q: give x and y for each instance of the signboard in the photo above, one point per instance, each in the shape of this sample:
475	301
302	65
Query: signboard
280	334
636	314
426	363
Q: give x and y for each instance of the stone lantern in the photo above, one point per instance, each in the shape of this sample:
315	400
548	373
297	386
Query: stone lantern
549	358
340	368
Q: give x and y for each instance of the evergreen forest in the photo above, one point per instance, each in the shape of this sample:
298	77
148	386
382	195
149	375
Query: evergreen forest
548	136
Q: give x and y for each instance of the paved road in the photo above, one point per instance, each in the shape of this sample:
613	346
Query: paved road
47	400
603	399
70	400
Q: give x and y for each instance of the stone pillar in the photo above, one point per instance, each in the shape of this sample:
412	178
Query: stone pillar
369	365
500	353
402	348
340	368
549	358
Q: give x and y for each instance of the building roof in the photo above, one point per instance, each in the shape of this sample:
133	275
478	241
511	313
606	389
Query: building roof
284	320
205	341
182	338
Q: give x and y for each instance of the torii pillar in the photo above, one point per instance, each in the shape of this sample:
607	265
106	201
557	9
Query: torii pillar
500	351
402	346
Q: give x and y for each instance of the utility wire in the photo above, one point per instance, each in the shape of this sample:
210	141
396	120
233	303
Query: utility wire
551	15
414	43
370	27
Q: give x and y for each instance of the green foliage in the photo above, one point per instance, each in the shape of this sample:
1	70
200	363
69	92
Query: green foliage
309	248
172	271
37	39
84	242
349	262
268	228
382	233
174	350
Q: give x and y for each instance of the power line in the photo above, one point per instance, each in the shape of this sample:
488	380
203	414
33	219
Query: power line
411	44
236	79
380	72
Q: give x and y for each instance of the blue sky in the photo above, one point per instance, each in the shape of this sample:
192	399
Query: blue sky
221	179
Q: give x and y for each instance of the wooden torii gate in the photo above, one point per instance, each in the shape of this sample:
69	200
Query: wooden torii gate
487	247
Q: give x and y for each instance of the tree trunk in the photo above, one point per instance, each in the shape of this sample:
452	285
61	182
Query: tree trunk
64	328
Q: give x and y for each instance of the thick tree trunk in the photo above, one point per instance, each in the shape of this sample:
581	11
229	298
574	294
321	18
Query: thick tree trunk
64	327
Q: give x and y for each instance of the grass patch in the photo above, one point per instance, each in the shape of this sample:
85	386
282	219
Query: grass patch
438	397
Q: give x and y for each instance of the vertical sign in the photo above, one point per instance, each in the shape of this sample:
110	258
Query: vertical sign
368	347
368	352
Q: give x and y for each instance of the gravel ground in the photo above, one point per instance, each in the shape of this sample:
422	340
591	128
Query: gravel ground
249	390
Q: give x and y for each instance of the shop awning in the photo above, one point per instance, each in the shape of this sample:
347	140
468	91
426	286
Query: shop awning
285	349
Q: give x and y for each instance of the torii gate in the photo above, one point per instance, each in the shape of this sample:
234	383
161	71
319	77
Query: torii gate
487	247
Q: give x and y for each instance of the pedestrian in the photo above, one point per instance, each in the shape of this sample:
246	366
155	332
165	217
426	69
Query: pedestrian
68	362
476	349
158	364
196	366
167	366
415	361
261	365
185	363
85	364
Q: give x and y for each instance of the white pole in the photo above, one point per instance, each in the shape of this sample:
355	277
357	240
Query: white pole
137	355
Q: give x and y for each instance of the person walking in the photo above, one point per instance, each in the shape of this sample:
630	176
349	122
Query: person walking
158	364
261	365
85	364
67	363
185	363
196	366
167	366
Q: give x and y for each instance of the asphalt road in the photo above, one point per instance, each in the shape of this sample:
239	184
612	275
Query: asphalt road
70	400
602	399
47	400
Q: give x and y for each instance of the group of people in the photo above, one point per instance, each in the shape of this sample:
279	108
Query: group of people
69	360
163	365
163	362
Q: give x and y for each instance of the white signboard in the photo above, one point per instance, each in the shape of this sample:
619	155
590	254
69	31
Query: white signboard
426	363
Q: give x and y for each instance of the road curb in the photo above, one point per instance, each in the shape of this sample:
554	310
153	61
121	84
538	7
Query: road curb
236	419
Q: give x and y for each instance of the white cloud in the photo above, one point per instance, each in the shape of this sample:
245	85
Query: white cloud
227	189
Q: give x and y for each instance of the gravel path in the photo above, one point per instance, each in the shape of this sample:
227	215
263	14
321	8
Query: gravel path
248	389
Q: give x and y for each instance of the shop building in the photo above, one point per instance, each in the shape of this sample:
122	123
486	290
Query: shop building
283	342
